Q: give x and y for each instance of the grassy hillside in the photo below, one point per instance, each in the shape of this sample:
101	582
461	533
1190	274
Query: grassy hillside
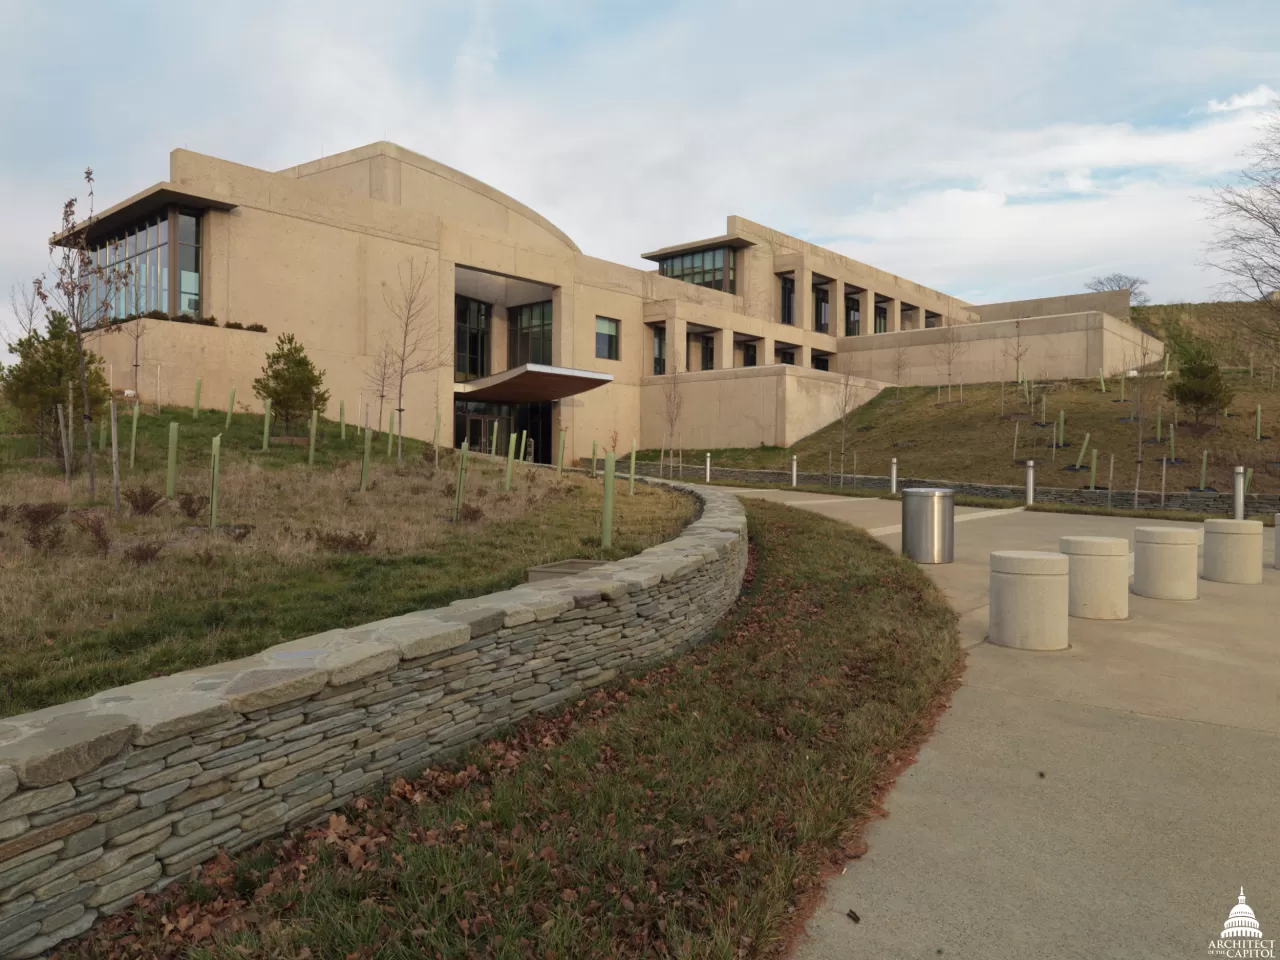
972	441
1225	323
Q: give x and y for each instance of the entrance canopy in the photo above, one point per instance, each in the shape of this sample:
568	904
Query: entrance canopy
531	383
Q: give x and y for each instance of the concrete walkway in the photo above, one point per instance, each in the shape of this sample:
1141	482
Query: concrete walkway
1104	801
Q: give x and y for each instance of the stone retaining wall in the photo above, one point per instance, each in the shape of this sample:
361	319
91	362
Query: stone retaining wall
1191	501
128	790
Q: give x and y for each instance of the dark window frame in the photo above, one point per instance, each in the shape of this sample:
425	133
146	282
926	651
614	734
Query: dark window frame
708	351
529	333
882	318
852	315
659	351
471	331
788	313
715	268
821	309
612	342
748	354
822	362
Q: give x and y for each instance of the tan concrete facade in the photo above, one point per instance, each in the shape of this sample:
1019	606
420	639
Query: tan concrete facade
315	249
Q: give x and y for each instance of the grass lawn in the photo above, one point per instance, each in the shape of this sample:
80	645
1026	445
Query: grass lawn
971	441
298	550
680	812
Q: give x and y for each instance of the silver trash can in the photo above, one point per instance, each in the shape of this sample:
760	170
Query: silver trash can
928	524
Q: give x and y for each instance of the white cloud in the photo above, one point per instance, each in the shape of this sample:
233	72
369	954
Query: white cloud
1259	96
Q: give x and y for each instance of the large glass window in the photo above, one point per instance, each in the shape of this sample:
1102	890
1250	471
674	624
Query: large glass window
821	362
748	354
135	268
471	338
788	301
715	268
188	265
708	352
882	318
821	310
606	338
529	334
852	315
659	351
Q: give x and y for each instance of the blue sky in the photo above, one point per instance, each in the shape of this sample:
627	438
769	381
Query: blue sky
993	149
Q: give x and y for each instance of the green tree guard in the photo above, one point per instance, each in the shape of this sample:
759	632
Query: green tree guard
1173	446
1248	478
493	440
1204	468
1062	427
1044	403
1122	386
1102	381
266	424
1159	417
1093	471
391	431
171	473
524	438
311	449
102	435
560	456
462	479
364	463
213	489
1257	424
631	481
195	406
231	406
133	435
511	456
606	524
342	419
593	459
1083	447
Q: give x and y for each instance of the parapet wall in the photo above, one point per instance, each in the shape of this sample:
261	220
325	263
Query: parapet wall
130	789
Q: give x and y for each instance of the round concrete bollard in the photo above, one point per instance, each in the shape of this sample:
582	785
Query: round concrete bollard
1166	563
1099	578
1029	600
1275	561
1233	551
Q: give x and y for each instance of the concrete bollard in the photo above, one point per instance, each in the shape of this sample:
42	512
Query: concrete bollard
1029	596
793	470
1166	563
708	467
1233	551
1099	577
1237	493
893	475
1275	561
1031	482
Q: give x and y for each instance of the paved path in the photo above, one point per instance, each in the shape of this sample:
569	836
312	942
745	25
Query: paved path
1159	743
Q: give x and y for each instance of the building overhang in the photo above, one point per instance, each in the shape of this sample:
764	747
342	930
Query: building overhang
728	240
157	197
531	383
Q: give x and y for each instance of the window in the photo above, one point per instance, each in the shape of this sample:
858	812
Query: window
471	339
715	268
659	351
852	315
529	334
787	356
821	310
135	268
606	338
882	318
748	354
188	265
708	352
788	301
821	363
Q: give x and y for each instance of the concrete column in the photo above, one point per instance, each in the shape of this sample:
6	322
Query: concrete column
1166	562
765	347
1098	578
895	316
445	333
804	297
1233	551
804	356
1029	599
868	312
1275	562
677	345
724	349
835	309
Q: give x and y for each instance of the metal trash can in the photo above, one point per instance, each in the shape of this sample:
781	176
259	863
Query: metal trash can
928	524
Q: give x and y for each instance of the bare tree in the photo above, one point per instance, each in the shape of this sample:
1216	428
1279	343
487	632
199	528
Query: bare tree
27	310
1246	246
849	384
1122	281
379	377
1016	350
414	342
80	290
948	350
899	367
1140	358
672	397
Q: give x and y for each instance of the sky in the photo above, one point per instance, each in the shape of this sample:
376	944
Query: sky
992	149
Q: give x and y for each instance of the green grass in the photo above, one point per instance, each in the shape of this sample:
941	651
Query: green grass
681	812
972	442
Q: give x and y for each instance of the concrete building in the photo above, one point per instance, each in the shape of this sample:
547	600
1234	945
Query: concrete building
525	331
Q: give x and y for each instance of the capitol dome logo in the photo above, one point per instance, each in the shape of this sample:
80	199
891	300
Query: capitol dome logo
1241	936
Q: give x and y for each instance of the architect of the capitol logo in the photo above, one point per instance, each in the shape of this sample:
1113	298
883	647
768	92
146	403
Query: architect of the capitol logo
1241	936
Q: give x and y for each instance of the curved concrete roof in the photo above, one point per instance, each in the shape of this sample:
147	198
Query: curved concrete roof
394	150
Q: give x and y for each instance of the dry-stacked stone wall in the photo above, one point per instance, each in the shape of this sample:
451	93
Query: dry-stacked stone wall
130	789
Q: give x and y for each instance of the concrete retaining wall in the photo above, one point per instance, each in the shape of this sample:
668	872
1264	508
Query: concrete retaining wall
129	790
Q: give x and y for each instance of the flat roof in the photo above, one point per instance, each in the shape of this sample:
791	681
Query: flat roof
532	383
727	240
155	197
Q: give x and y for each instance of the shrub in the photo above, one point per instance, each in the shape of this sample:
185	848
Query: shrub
95	525
206	321
42	524
142	500
233	325
192	505
343	541
471	513
144	552
291	382
6	510
256	328
449	490
155	315
1200	385
238	532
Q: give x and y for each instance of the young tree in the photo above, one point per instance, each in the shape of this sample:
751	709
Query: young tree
414	342
1016	350
672	396
379	377
949	350
1122	281
1200	386
27	311
900	363
849	384
291	382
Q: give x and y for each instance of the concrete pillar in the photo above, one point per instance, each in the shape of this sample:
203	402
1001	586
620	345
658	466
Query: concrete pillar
1099	577
1275	562
1233	551
804	298
765	348
1031	484
895	316
1237	493
1166	562
724	349
868	312
804	356
677	346
1029	599
836	308
445	334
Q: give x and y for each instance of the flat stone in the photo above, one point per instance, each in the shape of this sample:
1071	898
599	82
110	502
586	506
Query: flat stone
480	620
117	857
66	747
18	938
44	880
160	717
126	885
135	824
38	838
62	918
270	686
161	794
12	876
8	782
357	660
200	794
11	828
117	808
86	840
423	637
183	771
55	937
177	845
